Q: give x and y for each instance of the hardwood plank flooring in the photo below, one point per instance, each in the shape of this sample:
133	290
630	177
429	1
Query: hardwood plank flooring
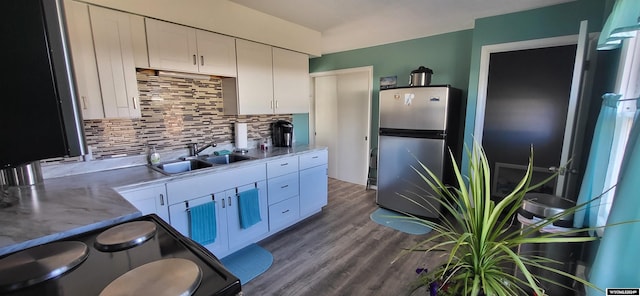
340	251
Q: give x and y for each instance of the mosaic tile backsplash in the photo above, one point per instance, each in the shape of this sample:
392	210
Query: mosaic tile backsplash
175	112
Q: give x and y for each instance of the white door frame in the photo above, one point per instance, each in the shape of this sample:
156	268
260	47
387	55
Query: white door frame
312	117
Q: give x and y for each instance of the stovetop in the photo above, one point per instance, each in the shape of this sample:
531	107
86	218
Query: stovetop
145	255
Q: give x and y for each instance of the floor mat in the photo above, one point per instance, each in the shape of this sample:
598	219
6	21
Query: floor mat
248	263
398	221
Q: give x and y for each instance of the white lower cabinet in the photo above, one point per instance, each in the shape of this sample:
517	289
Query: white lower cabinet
313	189
239	237
149	200
283	189
313	182
291	188
180	219
221	188
230	236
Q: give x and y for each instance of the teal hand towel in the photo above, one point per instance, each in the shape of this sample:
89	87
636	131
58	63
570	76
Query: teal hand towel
202	223
249	208
222	152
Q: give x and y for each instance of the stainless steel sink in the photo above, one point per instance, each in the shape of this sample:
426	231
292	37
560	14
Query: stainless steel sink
225	159
176	167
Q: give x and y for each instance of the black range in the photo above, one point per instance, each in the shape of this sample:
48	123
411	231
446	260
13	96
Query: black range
144	256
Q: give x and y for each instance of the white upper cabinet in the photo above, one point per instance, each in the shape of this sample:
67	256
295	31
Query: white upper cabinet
139	39
290	81
270	81
171	46
216	54
102	45
84	60
115	59
180	48
255	78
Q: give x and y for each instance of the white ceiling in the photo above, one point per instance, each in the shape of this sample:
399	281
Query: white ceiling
352	24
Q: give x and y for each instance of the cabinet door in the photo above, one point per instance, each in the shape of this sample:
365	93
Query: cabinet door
216	54
239	237
313	189
84	59
171	46
150	200
290	81
114	57
255	78
179	217
139	39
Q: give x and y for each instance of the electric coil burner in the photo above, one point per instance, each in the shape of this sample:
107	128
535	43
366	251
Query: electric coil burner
144	256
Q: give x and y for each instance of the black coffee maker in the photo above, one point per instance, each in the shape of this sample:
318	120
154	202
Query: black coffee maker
282	133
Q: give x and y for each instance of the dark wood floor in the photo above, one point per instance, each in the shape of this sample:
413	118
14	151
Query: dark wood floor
340	252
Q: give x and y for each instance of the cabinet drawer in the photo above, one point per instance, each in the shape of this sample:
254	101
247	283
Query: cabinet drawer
282	166
284	213
283	187
313	159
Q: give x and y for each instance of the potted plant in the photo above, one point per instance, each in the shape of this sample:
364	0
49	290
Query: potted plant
480	244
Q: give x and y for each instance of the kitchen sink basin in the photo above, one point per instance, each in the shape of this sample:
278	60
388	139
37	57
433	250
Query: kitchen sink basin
182	166
225	159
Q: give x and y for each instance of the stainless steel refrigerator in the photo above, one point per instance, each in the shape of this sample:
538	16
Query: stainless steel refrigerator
417	124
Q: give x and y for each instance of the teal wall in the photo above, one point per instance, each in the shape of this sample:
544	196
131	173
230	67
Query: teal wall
455	57
447	55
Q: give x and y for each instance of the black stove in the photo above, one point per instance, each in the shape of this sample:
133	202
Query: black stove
144	256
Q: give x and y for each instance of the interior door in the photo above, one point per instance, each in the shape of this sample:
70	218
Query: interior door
342	122
532	99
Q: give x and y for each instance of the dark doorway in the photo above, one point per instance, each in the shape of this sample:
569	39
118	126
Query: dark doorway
527	102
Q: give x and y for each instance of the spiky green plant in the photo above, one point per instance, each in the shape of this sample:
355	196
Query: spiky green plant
477	235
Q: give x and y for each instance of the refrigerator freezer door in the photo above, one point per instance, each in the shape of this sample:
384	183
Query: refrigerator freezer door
414	108
396	177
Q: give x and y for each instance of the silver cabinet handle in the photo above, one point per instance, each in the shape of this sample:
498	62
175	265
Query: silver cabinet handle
161	199
135	102
223	203
315	157
229	200
84	102
283	164
283	187
277	106
202	60
194	60
285	212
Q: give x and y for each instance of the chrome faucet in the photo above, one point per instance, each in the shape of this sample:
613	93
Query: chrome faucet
194	150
